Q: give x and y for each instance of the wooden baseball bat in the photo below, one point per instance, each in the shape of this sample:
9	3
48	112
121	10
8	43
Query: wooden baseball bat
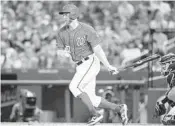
140	62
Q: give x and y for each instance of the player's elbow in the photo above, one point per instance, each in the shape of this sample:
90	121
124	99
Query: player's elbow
97	49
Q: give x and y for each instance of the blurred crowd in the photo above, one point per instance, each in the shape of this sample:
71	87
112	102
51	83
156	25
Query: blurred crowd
28	30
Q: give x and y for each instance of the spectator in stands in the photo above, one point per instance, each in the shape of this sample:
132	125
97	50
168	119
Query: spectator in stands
118	22
3	54
143	108
129	53
158	20
10	57
51	54
125	10
122	33
35	39
24	60
171	20
31	55
160	5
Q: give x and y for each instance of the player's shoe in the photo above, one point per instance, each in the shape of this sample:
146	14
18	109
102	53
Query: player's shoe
95	119
123	114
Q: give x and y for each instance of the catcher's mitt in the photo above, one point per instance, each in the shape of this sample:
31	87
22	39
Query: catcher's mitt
159	109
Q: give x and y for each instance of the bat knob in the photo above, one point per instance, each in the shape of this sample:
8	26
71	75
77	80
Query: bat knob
114	72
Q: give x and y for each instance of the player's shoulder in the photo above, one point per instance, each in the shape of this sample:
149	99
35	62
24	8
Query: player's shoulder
87	26
62	28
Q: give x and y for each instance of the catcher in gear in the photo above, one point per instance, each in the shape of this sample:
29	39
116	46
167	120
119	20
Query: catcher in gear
25	110
167	63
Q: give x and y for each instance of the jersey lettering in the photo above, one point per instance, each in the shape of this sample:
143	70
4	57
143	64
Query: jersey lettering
81	40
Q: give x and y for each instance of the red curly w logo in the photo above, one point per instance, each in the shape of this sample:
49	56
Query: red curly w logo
81	40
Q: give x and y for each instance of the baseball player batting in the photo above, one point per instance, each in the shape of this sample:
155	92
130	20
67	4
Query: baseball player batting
83	44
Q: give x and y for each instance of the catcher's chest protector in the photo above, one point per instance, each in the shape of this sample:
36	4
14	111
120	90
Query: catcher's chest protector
171	80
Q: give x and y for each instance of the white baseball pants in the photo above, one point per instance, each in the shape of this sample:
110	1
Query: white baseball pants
84	79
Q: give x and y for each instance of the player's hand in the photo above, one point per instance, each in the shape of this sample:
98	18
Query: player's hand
113	70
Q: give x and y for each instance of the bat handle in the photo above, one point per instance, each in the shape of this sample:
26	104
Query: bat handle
121	68
113	72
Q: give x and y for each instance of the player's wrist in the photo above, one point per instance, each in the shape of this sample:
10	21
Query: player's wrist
108	67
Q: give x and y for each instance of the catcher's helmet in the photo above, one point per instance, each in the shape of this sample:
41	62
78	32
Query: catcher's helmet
28	98
72	9
168	58
165	63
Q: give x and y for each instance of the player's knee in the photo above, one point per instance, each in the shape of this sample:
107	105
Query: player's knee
74	90
70	87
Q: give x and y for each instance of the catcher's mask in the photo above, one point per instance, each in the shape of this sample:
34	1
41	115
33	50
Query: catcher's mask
165	62
28	99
